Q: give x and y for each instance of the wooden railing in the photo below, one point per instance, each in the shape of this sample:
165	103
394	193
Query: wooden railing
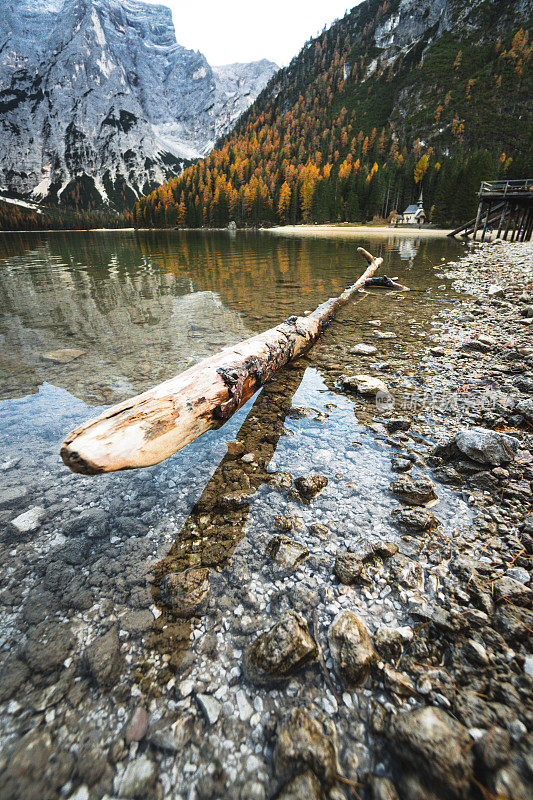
504	188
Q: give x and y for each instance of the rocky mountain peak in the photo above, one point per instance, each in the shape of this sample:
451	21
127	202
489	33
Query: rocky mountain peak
99	102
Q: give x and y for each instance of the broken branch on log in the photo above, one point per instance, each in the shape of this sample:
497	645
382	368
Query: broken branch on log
154	425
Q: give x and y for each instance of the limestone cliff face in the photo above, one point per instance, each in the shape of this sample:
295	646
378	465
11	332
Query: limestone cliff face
99	103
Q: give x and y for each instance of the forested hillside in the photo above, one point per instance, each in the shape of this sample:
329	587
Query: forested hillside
397	96
15	217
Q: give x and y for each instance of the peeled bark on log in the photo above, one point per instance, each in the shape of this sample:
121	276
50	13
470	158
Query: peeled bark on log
154	425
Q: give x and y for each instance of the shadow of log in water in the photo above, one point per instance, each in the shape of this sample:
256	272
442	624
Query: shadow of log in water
217	521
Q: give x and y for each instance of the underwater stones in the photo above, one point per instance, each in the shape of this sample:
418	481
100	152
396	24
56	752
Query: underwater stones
63	356
29	521
414	491
396	424
480	445
415	519
365	385
103	659
48	646
12	496
187	592
301	743
351	647
137	726
434	744
280	651
398	682
138	779
310	485
348	567
401	464
363	350
210	706
389	641
282	481
306	785
171	735
286	553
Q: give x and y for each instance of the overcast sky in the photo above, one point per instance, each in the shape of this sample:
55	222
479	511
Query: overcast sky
242	30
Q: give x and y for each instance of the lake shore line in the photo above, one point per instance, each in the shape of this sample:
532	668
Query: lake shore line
356	230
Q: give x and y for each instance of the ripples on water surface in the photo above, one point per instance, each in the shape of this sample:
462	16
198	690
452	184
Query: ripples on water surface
142	308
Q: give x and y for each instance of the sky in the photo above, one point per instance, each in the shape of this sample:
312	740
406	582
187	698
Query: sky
226	31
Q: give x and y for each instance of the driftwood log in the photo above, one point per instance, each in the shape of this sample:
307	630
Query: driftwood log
154	425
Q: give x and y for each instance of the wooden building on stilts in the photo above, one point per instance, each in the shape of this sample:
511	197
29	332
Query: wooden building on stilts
504	206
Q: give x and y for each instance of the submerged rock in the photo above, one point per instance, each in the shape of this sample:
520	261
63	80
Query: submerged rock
301	744
286	553
29	521
364	384
525	407
396	424
210	706
480	445
302	786
415	519
415	491
48	646
64	356
348	567
351	647
435	745
310	485
363	349
280	651
187	592
103	659
400	464
139	779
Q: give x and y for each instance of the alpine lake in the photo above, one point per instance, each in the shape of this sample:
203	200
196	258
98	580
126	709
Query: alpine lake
89	319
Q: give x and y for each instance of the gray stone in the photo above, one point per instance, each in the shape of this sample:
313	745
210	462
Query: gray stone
12	497
507	590
280	651
103	659
438	747
29	521
187	592
286	553
351	647
48	646
13	674
138	779
302	744
480	445
363	349
415	519
525	407
172	735
365	385
302	786
519	574
401	464
310	485
348	567
396	424
210	706
414	490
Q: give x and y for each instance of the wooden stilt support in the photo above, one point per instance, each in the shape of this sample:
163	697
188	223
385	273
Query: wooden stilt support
489	209
478	217
153	426
500	224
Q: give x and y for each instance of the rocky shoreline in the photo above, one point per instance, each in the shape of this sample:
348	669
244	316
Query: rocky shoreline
340	663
